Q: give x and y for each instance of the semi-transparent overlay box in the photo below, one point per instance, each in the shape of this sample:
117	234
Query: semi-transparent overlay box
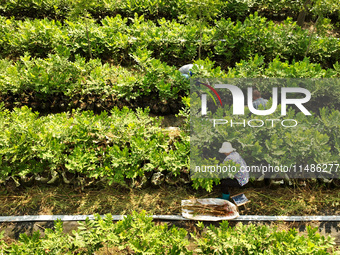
271	127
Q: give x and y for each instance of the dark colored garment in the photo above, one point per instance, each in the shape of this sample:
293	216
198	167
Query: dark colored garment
226	183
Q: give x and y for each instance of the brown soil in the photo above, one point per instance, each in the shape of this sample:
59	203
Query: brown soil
39	200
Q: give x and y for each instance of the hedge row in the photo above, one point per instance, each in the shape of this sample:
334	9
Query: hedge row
153	9
138	234
115	39
124	146
117	147
57	84
308	140
61	9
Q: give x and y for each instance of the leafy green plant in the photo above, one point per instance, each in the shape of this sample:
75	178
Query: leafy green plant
115	39
138	234
203	12
118	147
310	142
259	239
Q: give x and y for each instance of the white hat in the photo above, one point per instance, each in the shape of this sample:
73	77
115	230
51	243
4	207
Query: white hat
226	148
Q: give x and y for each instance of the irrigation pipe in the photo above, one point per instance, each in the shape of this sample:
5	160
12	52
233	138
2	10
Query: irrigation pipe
220	40
36	218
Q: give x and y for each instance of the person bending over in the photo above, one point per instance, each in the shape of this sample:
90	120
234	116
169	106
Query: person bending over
241	178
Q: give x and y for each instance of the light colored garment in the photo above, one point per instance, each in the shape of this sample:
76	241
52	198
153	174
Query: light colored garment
260	101
241	176
186	69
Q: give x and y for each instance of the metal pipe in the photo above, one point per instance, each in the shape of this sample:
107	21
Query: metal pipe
34	218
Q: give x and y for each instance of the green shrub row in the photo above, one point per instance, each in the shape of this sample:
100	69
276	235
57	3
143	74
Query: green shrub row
124	146
311	140
62	9
118	146
256	35
325	91
57	84
315	139
138	234
153	9
116	39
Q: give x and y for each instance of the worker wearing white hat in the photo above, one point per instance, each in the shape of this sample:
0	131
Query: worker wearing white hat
241	177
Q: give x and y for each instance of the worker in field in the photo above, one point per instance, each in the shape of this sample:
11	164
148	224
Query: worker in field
241	178
258	100
186	70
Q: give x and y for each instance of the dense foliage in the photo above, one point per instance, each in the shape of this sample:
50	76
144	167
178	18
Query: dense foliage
124	146
79	78
116	38
117	146
56	84
137	234
64	56
313	141
171	9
